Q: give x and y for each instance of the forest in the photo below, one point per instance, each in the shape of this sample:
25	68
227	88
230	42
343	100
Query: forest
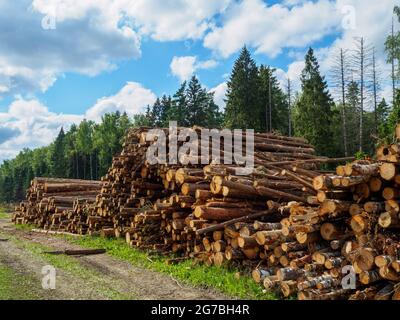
341	114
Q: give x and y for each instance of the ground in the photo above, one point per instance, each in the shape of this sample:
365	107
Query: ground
122	273
87	277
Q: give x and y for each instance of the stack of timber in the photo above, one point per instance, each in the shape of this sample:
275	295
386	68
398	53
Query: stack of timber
58	204
163	207
347	247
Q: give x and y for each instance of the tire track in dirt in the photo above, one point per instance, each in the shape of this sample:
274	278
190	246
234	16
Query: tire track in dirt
109	277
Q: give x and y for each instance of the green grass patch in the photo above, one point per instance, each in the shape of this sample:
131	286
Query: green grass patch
14	286
221	278
24	227
74	267
4	214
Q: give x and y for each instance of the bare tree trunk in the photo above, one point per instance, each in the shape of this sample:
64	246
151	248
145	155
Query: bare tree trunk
343	85
289	105
393	67
270	102
91	166
375	92
77	164
362	93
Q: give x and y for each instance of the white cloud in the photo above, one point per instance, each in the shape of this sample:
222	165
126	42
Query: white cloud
132	99
220	94
173	20
91	36
160	19
269	29
33	126
86	40
29	124
185	67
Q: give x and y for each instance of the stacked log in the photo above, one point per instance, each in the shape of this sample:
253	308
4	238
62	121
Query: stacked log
180	199
354	228
298	229
58	204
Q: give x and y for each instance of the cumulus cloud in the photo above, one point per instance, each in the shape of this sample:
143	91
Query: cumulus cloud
185	67
31	124
220	95
132	99
7	133
269	29
90	36
28	123
174	20
34	57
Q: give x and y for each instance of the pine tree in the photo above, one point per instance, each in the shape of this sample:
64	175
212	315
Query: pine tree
383	112
353	115
58	156
178	106
196	102
392	48
166	104
313	116
394	116
275	113
243	106
156	112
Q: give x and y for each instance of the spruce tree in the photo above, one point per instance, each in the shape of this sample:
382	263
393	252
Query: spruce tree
197	101
243	106
394	116
58	168
353	106
313	116
276	117
166	104
178	106
383	112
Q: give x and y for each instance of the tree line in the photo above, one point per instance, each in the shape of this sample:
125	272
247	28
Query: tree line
347	117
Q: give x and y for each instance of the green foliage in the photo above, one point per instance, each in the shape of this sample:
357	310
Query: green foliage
221	278
394	116
254	97
243	106
84	152
190	105
313	111
383	112
360	155
278	99
17	286
392	44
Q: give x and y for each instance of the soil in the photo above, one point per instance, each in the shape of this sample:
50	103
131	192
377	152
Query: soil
107	277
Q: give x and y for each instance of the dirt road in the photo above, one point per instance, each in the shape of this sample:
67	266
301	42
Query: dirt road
88	277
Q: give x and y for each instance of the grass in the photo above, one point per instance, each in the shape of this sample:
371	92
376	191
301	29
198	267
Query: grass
74	267
4	214
14	286
221	278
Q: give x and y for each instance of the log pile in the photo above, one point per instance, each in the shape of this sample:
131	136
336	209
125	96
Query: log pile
353	230
308	227
138	198
58	204
296	228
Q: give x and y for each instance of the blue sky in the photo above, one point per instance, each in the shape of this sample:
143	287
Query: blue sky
65	60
